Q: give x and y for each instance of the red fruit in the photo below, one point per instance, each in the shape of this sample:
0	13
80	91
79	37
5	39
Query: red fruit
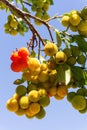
14	56
23	52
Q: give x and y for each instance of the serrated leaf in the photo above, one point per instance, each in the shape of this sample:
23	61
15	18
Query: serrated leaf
58	38
64	74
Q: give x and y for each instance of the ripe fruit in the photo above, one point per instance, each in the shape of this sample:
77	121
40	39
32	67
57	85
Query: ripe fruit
44	101
34	108
20	112
33	96
12	105
84	13
60	57
50	49
78	102
58	97
23	52
21	90
41	114
42	92
24	102
82	26
62	90
65	20
74	19
14	56
43	76
52	91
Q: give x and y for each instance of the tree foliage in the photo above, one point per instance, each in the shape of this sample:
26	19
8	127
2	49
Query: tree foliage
50	67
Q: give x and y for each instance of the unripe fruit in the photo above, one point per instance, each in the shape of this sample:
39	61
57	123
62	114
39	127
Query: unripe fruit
41	114
84	13
33	96
13	32
24	102
81	59
65	20
44	101
78	102
70	96
73	28
68	52
13	23
71	60
60	57
74	19
81	91
50	49
12	105
21	90
75	51
83	111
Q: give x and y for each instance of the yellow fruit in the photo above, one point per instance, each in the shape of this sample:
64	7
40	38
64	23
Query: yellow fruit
33	96
43	67
42	92
43	76
12	105
82	26
60	57
84	13
33	63
58	97
34	108
74	19
13	23
20	112
62	90
24	102
13	32
65	20
52	91
83	33
50	49
74	12
79	102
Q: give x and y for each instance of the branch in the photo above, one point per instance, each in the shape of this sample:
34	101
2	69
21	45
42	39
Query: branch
23	16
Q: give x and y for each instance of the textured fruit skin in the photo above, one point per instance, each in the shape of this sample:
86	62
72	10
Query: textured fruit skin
24	102
74	19
65	20
33	96
50	49
78	102
23	52
60	57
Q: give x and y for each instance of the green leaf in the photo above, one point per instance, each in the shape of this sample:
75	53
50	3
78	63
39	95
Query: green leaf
81	42
58	38
85	76
18	81
64	74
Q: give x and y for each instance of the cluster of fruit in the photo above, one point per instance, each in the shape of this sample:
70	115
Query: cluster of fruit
41	7
74	55
76	21
78	99
15	25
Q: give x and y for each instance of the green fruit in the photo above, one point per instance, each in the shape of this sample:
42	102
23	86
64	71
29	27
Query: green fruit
71	60
21	90
83	111
33	96
32	87
81	91
79	102
84	13
13	32
70	96
41	113
81	59
6	26
73	28
75	51
68	52
44	101
24	102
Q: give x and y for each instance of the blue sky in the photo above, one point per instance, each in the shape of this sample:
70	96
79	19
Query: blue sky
60	114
